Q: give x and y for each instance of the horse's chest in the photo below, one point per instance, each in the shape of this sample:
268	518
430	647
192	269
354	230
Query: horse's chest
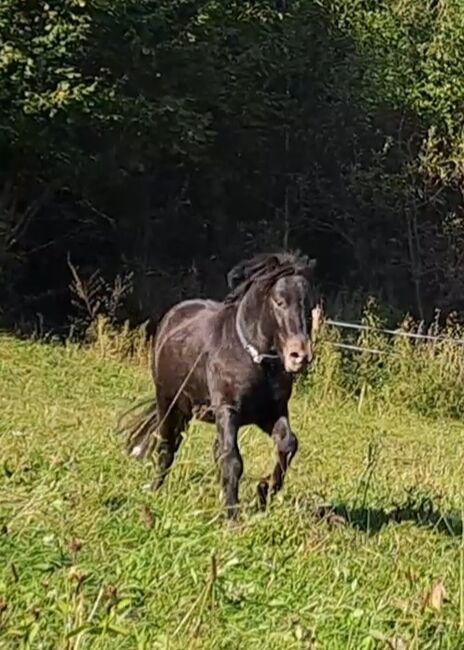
277	390
265	395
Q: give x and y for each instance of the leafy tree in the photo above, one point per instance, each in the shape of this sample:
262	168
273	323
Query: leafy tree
168	139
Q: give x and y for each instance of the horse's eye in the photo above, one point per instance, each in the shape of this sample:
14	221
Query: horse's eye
280	302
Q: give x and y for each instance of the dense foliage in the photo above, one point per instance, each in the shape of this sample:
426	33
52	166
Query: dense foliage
167	139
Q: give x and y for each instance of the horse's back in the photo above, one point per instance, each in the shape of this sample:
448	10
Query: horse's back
182	315
183	335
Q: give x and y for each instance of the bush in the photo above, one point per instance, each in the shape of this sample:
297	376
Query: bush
426	376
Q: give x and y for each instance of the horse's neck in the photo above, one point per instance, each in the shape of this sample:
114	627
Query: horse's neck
256	321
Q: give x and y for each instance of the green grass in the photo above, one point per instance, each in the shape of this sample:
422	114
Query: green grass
88	559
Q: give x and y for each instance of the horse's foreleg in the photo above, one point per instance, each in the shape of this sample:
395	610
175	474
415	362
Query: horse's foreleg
287	446
228	456
217	455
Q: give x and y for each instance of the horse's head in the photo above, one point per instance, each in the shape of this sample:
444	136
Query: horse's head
290	303
275	302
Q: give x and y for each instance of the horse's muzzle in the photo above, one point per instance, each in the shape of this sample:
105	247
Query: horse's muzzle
297	353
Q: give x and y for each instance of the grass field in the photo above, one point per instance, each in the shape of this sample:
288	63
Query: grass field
91	560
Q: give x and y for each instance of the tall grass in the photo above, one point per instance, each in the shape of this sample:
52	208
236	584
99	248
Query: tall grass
421	374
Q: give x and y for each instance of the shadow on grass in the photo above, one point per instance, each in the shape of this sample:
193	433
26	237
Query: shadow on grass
372	520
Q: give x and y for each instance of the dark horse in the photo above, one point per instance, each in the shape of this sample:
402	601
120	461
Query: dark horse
231	363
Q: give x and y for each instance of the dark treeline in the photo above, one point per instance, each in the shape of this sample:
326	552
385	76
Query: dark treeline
168	139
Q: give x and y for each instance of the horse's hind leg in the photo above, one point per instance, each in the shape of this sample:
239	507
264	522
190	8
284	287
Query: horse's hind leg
287	446
169	441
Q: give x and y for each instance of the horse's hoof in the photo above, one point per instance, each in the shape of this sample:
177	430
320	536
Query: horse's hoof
262	492
153	486
234	523
233	515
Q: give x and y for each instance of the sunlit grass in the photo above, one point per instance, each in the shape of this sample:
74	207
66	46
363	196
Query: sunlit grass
91	560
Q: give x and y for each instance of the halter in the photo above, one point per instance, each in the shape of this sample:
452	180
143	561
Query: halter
256	356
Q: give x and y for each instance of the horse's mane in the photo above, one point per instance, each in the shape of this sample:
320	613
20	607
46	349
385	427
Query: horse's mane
266	268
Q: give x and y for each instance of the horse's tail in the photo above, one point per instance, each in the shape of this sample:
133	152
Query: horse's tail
140	432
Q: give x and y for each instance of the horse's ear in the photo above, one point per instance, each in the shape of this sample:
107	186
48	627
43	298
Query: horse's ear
311	266
235	276
273	261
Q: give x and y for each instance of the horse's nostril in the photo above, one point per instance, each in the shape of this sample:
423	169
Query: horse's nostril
296	355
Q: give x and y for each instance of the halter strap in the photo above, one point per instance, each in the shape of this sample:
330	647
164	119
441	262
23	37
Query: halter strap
256	356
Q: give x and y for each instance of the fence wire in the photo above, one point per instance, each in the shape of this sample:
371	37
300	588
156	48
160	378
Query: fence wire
390	332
